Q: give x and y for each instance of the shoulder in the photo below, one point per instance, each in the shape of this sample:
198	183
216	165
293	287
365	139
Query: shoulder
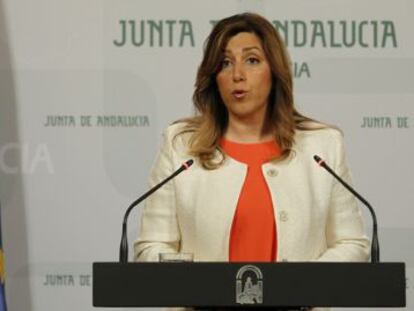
174	128
319	134
176	137
178	130
326	142
323	140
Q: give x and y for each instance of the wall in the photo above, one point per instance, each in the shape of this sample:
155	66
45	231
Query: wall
82	111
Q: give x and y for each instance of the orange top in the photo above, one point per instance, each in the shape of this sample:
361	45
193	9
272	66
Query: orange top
253	233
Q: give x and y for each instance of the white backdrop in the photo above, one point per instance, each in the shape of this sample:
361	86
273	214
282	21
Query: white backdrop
82	111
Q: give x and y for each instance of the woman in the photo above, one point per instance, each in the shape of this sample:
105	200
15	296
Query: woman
254	192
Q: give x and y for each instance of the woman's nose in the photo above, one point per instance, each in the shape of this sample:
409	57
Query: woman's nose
238	72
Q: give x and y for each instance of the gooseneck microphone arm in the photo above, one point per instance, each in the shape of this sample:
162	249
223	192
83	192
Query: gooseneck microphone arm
375	250
123	249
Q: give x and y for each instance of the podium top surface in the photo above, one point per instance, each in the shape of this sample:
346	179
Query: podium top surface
219	284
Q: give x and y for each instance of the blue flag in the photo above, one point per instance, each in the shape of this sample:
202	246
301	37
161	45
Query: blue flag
2	292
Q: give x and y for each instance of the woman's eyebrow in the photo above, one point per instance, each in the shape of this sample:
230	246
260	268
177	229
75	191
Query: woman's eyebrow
246	49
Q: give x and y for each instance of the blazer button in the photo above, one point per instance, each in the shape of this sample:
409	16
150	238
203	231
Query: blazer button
283	215
272	172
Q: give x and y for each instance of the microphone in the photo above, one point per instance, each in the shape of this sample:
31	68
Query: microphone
123	249
375	251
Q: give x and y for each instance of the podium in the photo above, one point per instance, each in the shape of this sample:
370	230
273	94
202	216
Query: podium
218	284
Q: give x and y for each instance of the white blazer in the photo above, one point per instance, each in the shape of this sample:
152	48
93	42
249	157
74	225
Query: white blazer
316	218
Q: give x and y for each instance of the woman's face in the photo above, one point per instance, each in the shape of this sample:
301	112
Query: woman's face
245	78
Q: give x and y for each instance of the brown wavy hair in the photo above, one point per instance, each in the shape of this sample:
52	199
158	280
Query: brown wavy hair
210	122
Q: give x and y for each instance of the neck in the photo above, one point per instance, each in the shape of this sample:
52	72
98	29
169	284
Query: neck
246	131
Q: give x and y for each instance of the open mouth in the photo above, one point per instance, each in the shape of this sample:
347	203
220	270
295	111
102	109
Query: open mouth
239	94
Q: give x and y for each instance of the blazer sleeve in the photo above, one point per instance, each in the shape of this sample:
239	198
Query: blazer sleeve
159	232
345	233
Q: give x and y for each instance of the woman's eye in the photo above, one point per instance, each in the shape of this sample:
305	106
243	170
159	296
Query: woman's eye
253	60
225	63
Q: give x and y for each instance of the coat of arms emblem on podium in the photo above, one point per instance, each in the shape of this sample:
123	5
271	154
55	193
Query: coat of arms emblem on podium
249	285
